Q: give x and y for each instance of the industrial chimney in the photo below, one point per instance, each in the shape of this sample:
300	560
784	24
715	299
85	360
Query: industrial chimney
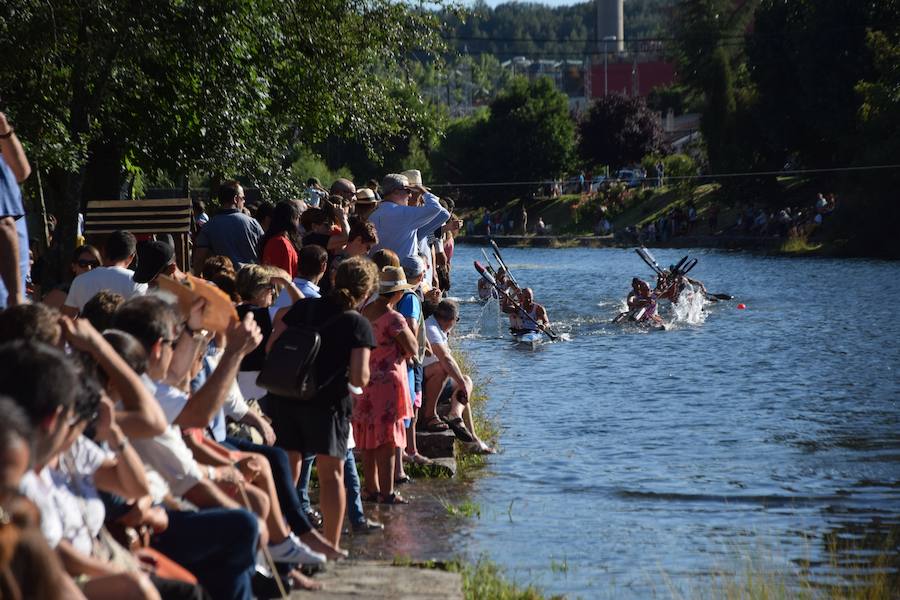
610	24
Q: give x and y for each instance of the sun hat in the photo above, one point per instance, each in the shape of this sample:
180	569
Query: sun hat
393	182
152	258
414	176
365	196
392	279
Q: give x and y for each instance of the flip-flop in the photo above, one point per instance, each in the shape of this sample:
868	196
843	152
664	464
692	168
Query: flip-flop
460	431
402	480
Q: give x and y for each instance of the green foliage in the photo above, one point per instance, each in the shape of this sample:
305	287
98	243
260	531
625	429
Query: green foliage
308	164
223	87
526	134
485	579
618	131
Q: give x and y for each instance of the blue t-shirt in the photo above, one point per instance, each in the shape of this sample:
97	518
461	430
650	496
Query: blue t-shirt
11	206
233	234
410	306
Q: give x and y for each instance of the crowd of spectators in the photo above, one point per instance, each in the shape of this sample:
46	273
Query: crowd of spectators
141	456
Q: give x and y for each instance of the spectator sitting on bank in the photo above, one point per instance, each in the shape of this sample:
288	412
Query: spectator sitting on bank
84	258
441	368
114	275
230	232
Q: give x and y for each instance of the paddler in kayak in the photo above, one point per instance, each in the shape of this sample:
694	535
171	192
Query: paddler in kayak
642	304
528	315
669	286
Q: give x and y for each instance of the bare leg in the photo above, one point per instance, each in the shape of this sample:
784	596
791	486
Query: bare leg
370	472
411	434
385	458
295	459
435	376
122	585
332	499
278	529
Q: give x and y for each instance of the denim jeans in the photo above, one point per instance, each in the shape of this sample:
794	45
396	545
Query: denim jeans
303	483
291	504
217	545
351	484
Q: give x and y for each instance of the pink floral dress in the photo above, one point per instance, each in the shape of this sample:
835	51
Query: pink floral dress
378	414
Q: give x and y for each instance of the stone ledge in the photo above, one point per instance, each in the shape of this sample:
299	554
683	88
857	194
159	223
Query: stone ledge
378	580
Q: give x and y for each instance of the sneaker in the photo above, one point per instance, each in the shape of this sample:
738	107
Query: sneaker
293	551
367	526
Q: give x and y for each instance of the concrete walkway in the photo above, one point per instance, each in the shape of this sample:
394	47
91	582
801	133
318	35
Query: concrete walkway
379	580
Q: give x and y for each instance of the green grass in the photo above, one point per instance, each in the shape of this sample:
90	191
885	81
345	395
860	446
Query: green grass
466	509
482	580
799	245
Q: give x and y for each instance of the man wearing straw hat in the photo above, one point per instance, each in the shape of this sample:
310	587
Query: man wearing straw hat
363	206
399	224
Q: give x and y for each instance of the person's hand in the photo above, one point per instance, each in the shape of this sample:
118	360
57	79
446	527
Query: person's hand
4	124
433	295
195	319
282	281
79	333
250	468
265	428
418	188
242	337
229	474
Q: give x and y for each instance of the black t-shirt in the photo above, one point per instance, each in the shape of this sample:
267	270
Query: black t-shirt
339	338
254	361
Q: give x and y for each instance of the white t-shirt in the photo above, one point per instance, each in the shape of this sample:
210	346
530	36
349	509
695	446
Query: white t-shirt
115	279
39	488
435	335
169	457
171	399
81	510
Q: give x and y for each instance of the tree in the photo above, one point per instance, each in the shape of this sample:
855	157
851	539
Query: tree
526	135
709	56
618	131
224	87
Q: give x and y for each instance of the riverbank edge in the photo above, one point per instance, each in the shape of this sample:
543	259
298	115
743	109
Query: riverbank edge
771	246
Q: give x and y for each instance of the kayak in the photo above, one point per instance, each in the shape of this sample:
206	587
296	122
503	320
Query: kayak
529	338
634	317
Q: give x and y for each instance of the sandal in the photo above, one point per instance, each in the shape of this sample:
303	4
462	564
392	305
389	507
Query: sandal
394	498
434	425
402	480
460	431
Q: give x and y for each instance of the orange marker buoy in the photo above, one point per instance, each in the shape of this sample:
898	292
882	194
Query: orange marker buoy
741	306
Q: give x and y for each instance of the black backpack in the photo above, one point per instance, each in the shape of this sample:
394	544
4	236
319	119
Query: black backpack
290	368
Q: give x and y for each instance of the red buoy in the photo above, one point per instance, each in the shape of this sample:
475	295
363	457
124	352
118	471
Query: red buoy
741	306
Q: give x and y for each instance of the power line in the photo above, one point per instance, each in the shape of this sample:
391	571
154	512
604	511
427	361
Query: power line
684	177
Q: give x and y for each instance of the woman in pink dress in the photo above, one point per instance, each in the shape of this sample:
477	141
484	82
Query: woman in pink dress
378	413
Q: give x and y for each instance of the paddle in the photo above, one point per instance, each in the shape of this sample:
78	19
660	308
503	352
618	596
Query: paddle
503	264
489	278
645	256
487	261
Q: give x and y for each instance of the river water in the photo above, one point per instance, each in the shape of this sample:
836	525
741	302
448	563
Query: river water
640	463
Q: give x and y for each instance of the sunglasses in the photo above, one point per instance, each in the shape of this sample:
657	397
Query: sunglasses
87	264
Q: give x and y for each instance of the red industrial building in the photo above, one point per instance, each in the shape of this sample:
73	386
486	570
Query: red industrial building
630	78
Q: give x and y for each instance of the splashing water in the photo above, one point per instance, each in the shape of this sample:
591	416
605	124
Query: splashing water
489	321
689	308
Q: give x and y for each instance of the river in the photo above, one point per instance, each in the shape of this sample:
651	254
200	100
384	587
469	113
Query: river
640	463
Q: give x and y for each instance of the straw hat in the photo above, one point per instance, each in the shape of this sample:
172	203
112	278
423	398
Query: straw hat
365	196
414	176
393	279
